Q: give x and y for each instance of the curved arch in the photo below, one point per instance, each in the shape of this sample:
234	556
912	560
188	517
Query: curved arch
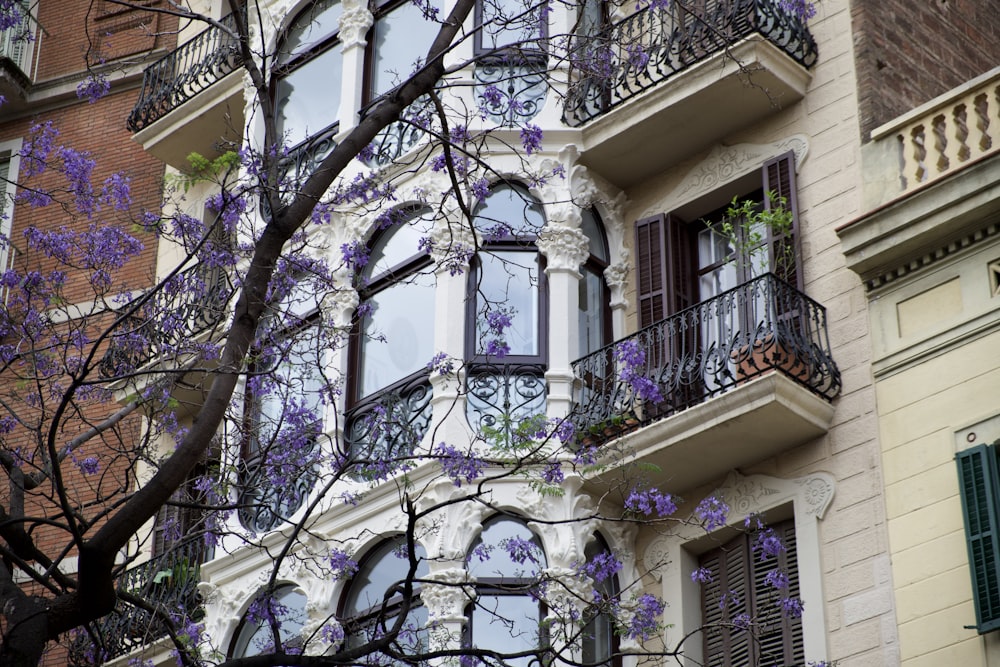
253	634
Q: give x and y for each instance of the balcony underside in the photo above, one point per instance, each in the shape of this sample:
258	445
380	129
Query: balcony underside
210	125
753	422
725	93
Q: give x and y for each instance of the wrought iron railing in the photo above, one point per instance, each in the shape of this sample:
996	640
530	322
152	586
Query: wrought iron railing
263	502
501	396
170	321
762	326
648	47
391	423
167	583
511	91
399	138
186	71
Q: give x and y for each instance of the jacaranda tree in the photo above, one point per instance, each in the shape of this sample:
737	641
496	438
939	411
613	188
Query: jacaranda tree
204	416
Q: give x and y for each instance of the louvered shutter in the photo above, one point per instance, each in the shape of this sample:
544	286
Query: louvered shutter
779	178
978	486
779	637
725	598
651	254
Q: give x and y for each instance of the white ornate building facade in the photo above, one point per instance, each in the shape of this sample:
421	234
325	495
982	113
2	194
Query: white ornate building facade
623	248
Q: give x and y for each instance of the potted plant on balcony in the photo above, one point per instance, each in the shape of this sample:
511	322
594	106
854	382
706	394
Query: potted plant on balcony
761	241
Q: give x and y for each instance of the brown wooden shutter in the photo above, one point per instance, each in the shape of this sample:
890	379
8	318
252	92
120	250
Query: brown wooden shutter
779	178
651	252
739	572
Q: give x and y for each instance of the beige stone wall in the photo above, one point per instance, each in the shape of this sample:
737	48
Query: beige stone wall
855	565
938	382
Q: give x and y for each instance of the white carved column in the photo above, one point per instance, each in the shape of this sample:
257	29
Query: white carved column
565	249
355	21
615	276
339	307
452	247
446	600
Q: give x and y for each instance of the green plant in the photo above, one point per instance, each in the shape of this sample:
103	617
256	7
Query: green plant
760	236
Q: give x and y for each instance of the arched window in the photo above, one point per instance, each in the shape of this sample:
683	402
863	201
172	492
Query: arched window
284	609
595	308
389	394
599	642
507	562
399	39
306	87
506	328
376	597
284	410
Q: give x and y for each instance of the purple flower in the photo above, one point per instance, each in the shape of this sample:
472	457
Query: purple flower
712	512
481	188
498	321
631	359
791	607
601	567
702	576
354	254
644	624
767	544
497	349
93	88
742	621
492	96
342	565
531	138
776	579
521	550
89	465
648	501
801	9
440	363
457	465
553	474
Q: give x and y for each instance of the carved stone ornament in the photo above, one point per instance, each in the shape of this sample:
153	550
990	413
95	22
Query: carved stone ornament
340	305
727	163
222	607
616	276
447	598
355	22
319	641
452	242
656	558
565	248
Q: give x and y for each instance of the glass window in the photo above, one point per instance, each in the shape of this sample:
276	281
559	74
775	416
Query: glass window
398	43
510	25
255	636
397	322
375	598
599	641
309	69
594	316
507	562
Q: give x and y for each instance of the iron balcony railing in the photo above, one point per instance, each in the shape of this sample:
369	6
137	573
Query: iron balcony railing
762	326
186	71
191	303
648	47
166	585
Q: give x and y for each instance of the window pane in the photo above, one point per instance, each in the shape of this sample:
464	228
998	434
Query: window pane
256	638
402	38
591	227
309	27
490	557
382	570
398	332
508	280
508	23
308	98
398	245
297	379
509	211
506	624
591	314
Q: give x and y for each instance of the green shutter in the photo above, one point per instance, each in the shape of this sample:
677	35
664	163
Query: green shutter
978	480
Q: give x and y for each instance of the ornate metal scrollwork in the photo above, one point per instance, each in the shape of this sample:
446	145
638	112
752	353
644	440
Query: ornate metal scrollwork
389	425
510	91
264	504
761	326
648	47
501	396
186	71
399	138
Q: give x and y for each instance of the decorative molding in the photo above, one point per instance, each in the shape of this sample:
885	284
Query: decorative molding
616	276
727	163
656	558
355	21
447	598
565	248
452	244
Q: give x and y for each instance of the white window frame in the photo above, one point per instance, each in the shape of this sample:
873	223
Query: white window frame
672	558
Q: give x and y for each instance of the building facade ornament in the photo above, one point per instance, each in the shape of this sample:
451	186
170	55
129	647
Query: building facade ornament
452	244
355	21
447	594
727	163
616	276
565	248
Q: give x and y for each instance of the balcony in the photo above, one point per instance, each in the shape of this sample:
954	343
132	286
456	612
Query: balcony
930	185
15	60
742	377
205	66
686	76
166	324
154	590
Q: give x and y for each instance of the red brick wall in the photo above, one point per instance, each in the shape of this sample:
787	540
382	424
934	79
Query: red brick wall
910	51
